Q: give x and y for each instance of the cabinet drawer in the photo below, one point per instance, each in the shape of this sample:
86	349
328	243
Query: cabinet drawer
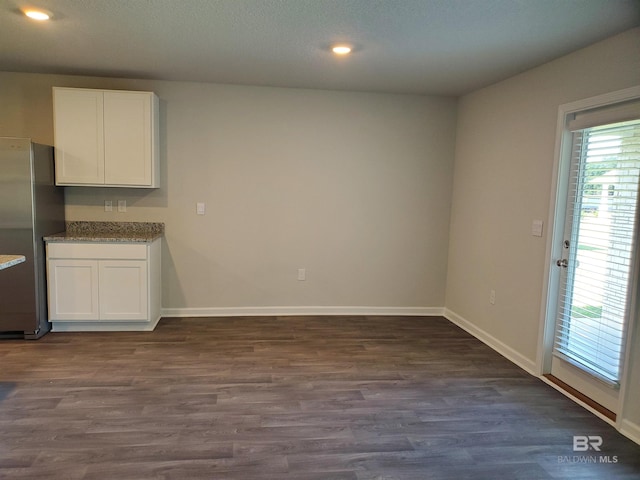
123	251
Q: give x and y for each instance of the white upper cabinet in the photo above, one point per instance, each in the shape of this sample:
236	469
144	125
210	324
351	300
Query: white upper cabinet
79	136
106	138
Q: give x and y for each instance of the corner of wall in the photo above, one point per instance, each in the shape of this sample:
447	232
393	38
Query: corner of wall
509	353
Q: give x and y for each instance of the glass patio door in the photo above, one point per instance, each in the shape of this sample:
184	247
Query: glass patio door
597	264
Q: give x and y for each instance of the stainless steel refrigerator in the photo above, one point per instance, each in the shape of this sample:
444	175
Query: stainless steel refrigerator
31	207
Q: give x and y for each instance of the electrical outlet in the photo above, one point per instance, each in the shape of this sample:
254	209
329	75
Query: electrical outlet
108	206
302	274
492	297
122	205
200	208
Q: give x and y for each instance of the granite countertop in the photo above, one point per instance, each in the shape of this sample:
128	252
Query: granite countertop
7	261
125	232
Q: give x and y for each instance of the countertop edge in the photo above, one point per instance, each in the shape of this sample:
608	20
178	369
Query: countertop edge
108	232
7	261
69	238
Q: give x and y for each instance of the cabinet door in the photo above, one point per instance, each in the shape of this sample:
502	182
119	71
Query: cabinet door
128	138
123	290
73	290
79	136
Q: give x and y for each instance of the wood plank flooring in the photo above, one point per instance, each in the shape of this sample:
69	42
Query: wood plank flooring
312	398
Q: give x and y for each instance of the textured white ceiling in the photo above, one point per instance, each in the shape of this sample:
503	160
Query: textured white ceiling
445	47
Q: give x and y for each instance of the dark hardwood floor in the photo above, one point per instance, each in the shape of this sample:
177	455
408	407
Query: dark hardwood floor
312	398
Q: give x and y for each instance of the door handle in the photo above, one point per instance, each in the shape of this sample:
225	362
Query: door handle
564	263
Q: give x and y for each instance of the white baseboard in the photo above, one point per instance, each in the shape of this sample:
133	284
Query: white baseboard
301	311
103	326
630	430
506	351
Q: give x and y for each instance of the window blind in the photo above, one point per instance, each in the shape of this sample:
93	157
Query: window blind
594	299
620	112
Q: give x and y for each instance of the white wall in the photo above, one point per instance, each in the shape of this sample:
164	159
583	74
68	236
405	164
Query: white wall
354	187
502	181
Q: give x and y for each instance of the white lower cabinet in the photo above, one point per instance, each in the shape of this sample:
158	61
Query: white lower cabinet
73	289
103	286
123	289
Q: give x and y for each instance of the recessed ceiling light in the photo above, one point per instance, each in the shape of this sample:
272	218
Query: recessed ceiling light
341	49
40	15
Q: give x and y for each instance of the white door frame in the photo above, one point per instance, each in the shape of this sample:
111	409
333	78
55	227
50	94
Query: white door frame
557	207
